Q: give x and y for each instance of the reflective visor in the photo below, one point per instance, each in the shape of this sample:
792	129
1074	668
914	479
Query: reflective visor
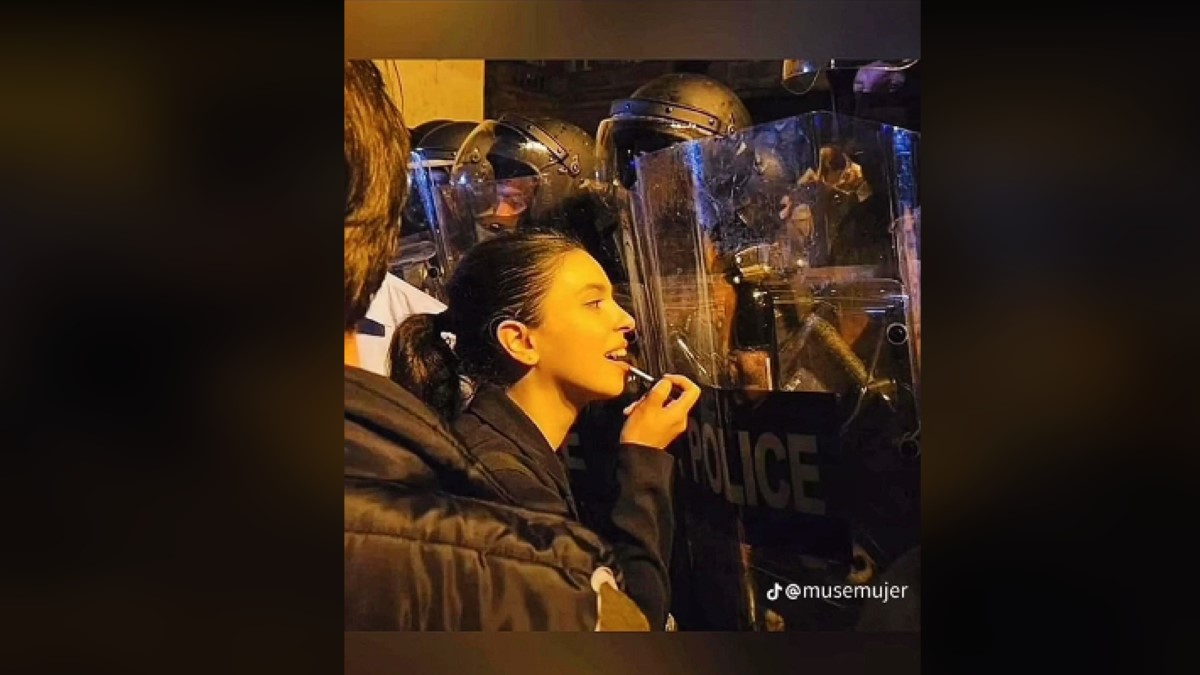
620	140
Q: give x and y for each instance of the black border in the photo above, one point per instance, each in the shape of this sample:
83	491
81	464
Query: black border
171	486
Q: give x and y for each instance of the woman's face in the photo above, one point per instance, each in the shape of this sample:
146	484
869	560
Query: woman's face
582	327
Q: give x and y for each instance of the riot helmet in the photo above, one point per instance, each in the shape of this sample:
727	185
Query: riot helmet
422	259
418	132
519	170
434	147
443	142
669	109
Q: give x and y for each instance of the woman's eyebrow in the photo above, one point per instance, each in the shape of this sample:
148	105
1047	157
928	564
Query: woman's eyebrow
593	287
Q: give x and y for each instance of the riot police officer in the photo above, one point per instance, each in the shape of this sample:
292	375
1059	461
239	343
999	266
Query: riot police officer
519	170
423	261
670	109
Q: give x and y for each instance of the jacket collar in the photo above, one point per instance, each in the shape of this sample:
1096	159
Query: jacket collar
492	405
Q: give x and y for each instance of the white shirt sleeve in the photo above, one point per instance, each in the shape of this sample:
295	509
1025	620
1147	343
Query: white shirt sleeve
395	301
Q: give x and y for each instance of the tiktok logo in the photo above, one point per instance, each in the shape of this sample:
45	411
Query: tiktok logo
773	594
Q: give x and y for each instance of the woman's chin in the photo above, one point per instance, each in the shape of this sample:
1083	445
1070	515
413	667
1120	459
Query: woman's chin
609	390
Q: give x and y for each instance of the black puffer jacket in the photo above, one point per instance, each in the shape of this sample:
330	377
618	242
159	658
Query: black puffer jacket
432	541
637	519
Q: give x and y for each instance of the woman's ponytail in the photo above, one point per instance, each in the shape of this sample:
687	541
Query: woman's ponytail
424	364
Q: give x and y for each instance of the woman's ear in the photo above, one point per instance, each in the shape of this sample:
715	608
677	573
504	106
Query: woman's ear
515	339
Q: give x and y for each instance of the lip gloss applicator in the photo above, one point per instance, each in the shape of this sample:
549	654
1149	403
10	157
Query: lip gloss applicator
650	381
643	375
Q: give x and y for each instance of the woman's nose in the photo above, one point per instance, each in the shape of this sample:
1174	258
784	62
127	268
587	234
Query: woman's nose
627	324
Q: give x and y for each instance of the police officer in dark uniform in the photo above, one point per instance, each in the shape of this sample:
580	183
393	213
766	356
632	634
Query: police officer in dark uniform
422	261
670	109
524	171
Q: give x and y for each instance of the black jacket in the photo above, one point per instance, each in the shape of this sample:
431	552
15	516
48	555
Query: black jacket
433	542
637	520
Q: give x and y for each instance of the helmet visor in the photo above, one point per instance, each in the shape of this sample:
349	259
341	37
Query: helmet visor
620	140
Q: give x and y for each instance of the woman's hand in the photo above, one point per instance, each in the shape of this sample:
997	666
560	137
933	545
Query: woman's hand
655	423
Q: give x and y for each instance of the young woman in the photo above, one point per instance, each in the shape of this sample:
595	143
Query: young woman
539	336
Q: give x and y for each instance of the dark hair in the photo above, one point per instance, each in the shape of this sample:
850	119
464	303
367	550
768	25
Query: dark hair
376	155
500	279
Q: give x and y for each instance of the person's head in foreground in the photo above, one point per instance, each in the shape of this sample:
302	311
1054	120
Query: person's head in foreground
376	155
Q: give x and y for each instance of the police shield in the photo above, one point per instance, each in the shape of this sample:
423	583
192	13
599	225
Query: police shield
619	255
782	268
422	258
470	211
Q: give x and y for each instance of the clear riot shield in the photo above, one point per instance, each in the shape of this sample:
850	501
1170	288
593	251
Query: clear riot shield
422	258
783	267
629	287
471	211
